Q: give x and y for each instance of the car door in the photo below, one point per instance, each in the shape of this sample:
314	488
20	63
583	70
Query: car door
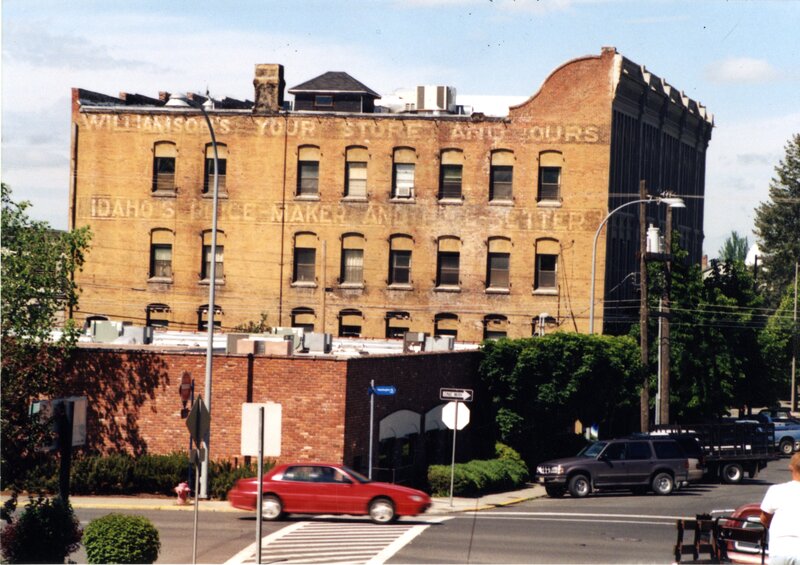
303	490
609	469
638	461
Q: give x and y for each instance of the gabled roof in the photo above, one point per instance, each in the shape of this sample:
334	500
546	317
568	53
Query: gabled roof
333	81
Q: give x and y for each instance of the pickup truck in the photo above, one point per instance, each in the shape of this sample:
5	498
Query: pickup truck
787	431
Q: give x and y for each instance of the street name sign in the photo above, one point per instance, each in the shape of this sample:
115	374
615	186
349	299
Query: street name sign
384	390
459	394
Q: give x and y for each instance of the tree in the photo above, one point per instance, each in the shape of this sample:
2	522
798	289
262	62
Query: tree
38	264
778	223
734	249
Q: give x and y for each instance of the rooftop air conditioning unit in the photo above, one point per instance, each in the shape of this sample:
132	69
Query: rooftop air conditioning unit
440	343
436	99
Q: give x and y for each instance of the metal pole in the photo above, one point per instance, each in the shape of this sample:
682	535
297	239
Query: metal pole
660	351
453	461
260	498
793	396
212	284
371	418
644	397
196	512
663	327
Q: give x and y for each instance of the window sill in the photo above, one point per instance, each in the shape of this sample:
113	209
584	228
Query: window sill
400	286
210	195
546	291
165	193
496	290
447	288
451	201
549	203
355	199
304	284
351	286
307	197
160	280
501	202
206	282
402	200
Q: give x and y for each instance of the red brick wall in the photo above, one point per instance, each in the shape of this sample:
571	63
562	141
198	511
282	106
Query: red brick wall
134	402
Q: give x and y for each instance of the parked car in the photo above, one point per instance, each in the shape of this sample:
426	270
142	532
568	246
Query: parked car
326	488
690	443
638	464
787	431
746	516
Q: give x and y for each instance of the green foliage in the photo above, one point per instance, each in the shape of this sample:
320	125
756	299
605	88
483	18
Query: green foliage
118	538
777	224
46	531
479	476
735	248
159	473
223	474
106	474
253	327
37	266
539	386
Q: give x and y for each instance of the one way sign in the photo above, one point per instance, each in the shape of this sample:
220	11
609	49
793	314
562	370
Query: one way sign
458	394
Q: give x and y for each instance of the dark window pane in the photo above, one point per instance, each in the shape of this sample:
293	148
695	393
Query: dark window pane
164	173
161	261
502	177
448	269
498	270
450	182
400	267
308	177
545	271
208	182
638	450
549	183
304	262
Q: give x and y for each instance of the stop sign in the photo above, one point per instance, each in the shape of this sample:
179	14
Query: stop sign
449	415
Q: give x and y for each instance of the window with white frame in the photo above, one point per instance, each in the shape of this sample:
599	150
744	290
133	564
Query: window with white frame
356	172
403	171
352	270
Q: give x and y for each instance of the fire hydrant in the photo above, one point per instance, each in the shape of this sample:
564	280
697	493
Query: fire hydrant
183	490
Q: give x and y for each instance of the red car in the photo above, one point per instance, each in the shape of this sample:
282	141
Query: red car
326	488
745	517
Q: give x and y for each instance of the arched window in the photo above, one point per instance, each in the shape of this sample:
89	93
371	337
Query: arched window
202	317
450	174
205	267
400	248
546	274
498	261
404	161
156	315
445	324
397	324
164	155
550	165
222	162
355	182
305	258
303	317
308	170
448	262
495	326
352	267
502	175
161	240
350	323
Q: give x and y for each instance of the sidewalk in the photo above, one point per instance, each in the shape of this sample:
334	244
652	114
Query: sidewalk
441	505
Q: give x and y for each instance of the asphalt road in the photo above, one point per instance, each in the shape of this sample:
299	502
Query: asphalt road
608	528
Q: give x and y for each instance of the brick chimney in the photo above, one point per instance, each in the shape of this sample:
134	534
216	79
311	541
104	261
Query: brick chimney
269	86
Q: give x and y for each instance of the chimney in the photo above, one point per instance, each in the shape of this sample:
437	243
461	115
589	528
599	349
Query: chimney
269	86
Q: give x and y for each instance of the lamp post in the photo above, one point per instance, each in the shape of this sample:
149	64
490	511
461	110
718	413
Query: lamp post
182	101
672	202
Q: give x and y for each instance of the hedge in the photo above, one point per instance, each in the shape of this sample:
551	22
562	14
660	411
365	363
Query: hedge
480	476
119	538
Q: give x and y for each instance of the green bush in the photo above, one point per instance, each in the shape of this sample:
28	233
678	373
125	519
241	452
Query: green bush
479	476
119	538
223	474
159	473
106	474
46	531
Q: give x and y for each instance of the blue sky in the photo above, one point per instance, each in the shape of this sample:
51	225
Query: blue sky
740	59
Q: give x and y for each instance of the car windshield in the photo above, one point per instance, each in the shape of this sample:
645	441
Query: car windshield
592	450
356	475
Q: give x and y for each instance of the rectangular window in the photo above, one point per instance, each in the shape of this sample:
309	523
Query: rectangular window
161	260
498	267
400	267
403	180
164	174
208	181
356	182
323	101
545	271
308	178
206	274
447	271
304	264
352	266
549	183
501	182
450	186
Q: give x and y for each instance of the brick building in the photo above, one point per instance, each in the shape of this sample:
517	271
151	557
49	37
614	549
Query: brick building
341	218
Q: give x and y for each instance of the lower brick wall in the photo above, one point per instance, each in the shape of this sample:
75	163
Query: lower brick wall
135	406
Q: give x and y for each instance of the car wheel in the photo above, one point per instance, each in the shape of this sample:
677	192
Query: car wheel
786	446
663	483
732	473
555	492
271	508
579	486
381	511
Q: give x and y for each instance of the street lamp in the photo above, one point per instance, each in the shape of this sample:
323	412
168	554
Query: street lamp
182	101
671	201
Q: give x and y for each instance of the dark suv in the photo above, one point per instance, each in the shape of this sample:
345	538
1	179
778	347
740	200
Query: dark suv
635	463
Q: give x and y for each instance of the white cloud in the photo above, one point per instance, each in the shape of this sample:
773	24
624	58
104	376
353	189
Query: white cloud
742	70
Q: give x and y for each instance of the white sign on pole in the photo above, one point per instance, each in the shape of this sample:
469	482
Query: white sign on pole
449	415
272	428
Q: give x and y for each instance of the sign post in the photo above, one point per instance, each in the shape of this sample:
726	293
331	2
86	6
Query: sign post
199	422
380	390
455	416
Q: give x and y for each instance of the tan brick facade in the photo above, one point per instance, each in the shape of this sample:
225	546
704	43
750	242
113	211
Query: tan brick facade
518	258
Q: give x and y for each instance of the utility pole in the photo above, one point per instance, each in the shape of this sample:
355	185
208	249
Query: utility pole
663	321
794	344
644	398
